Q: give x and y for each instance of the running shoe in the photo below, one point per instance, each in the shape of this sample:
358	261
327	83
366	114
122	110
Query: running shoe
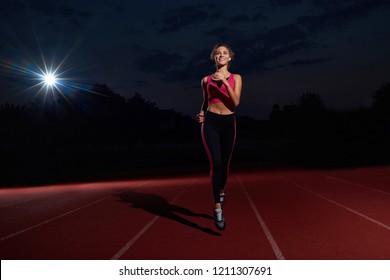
219	219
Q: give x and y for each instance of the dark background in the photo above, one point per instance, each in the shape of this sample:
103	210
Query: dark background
316	85
104	136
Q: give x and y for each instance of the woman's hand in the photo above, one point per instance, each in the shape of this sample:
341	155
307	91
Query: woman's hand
200	117
218	76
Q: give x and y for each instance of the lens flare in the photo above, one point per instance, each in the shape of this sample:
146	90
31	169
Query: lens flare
41	75
49	79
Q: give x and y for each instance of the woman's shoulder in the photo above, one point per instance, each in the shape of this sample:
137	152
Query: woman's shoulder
206	78
237	77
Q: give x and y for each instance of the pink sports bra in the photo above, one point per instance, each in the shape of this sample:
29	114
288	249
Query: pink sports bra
218	92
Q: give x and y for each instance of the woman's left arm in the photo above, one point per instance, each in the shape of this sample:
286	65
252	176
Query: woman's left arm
234	93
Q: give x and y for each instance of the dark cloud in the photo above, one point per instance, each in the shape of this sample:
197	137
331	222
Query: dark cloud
283	35
115	5
238	19
333	5
215	16
331	19
254	52
26	22
338	13
67	11
221	33
284	2
258	17
132	31
158	62
189	15
374	4
183	17
307	62
140	83
292	47
193	69
110	40
44	6
329	5
9	8
48	8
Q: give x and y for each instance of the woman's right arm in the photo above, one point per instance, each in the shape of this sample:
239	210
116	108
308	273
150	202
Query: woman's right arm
203	109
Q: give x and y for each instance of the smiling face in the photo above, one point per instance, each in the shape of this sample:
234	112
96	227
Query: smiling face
222	54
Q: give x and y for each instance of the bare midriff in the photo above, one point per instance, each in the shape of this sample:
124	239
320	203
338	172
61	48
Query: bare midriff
219	108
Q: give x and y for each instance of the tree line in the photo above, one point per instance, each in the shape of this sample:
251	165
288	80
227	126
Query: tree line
98	131
310	133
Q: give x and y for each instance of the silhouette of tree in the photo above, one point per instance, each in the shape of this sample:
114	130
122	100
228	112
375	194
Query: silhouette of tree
307	127
15	123
98	130
138	103
311	102
381	109
104	91
381	103
276	113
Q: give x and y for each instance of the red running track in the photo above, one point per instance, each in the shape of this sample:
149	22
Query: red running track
271	214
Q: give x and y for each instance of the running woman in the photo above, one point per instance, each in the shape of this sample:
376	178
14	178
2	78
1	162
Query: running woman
221	95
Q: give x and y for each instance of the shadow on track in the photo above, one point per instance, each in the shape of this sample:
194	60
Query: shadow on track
159	206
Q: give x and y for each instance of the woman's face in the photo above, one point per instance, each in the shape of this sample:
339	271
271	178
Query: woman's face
222	56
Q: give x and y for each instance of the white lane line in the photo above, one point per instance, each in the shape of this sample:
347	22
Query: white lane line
355	184
67	213
136	237
9	204
336	203
21	201
267	232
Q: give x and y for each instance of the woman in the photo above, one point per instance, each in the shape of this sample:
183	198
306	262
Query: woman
221	94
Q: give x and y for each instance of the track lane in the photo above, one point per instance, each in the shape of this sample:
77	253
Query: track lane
364	200
308	227
242	239
376	178
93	232
298	212
50	203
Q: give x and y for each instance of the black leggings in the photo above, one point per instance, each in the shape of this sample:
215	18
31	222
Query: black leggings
219	135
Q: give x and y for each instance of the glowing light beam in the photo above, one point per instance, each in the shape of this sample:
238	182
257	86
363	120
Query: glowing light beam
50	83
49	79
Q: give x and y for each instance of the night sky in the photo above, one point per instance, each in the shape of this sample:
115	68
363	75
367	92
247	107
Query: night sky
339	49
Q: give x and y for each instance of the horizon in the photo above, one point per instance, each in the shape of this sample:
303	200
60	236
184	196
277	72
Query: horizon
283	49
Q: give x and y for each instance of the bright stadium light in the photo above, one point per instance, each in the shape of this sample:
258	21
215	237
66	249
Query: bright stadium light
45	79
49	79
